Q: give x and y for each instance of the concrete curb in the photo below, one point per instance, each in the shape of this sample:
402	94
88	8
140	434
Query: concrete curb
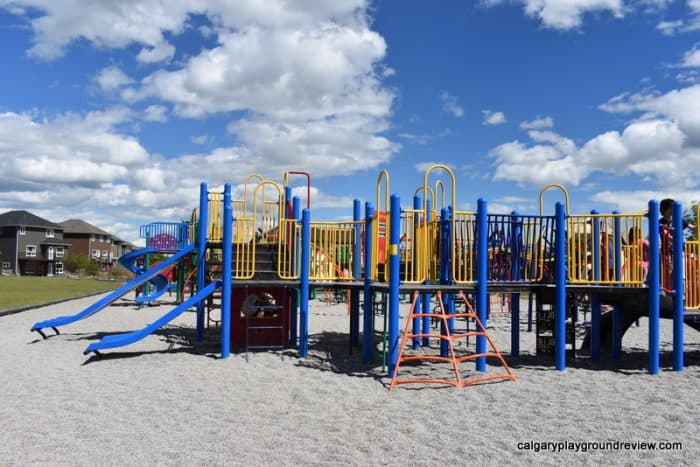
39	305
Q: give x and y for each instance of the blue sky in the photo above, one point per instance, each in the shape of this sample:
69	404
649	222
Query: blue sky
115	112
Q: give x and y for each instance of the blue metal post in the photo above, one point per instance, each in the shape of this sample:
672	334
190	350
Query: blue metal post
678	287
595	302
617	311
294	315
482	277
417	204
426	296
367	329
355	293
444	276
304	283
394	265
226	286
654	286
515	246
202	254
560	283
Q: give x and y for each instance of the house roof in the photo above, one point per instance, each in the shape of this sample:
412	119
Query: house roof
79	226
27	219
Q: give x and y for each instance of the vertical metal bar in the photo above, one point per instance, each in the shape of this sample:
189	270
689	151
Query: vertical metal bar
368	329
560	283
202	255
226	286
515	237
482	277
394	261
293	257
678	287
417	204
617	311
355	293
304	283
426	296
654	286
595	302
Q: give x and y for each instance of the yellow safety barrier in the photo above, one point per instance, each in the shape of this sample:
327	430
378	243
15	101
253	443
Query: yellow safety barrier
581	249
380	230
692	275
331	250
464	241
243	248
412	258
289	250
215	231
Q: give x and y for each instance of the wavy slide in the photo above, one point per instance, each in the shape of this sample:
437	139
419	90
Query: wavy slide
119	340
112	297
160	283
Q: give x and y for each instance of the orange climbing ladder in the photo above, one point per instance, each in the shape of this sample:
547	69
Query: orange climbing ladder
453	359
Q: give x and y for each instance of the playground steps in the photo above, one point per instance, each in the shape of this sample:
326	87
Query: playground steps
449	338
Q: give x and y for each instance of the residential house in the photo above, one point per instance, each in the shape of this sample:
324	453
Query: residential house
31	245
91	241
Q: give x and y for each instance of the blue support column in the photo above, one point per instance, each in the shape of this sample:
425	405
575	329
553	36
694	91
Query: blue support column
482	275
367	328
293	318
425	298
304	283
444	276
355	293
202	255
515	248
654	275
417	204
227	275
678	287
560	293
595	302
617	311
394	265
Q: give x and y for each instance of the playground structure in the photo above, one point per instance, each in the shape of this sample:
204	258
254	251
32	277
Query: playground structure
255	261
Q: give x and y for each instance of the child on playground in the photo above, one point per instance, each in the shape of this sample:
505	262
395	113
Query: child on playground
666	208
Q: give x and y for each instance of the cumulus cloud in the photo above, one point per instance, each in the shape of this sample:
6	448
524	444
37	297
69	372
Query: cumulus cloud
565	14
691	59
155	113
493	118
537	124
111	78
661	146
451	105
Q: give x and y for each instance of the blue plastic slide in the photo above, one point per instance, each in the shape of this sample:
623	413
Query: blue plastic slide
160	283
119	340
114	296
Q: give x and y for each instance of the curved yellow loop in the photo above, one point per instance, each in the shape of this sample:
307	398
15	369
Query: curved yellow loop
555	185
427	190
428	171
383	174
440	184
245	188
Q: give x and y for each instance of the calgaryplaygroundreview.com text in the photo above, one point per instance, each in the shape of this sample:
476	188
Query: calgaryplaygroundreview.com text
586	446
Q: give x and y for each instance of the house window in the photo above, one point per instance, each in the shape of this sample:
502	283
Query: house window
109	240
105	253
6	265
95	254
92	238
30	252
29	268
49	233
59	268
102	239
22	230
59	252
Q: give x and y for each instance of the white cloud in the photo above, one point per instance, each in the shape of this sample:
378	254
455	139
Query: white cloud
565	14
450	104
537	124
691	59
200	139
493	118
111	78
155	113
661	147
160	52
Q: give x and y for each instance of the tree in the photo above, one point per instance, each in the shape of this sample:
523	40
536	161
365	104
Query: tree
691	215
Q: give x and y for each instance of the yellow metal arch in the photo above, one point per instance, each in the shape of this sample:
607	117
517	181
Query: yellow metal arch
554	185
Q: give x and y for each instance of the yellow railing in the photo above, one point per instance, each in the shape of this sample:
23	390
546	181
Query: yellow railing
289	250
413	259
464	242
243	248
625	230
331	252
692	275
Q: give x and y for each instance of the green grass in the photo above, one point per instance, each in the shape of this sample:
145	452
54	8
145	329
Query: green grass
22	291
